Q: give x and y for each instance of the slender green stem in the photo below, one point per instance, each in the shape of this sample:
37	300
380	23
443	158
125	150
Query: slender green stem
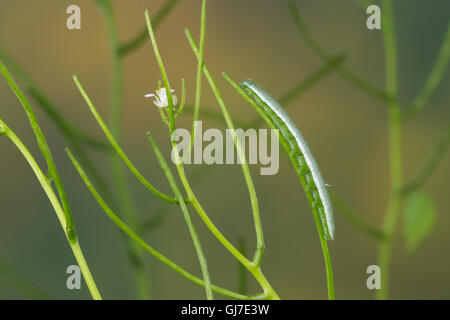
254	268
187	217
118	149
200	63
161	214
245	169
140	38
344	72
116	69
133	235
183	98
216	116
45	149
427	169
163	73
76	138
74	134
159	217
330	65
395	148
285	99
242	272
250	266
434	78
120	179
76	249
328	264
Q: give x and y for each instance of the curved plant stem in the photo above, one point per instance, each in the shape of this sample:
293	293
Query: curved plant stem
422	175
138	40
395	148
42	142
355	220
133	235
183	98
254	268
200	63
76	138
330	65
163	73
120	180
328	264
74	134
119	150
245	169
196	177
344	72
193	232
323	242
434	78
73	242
296	91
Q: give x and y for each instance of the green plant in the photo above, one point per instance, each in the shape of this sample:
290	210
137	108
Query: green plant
62	211
419	211
397	116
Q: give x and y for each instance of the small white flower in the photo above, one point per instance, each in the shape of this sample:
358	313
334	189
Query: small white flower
161	100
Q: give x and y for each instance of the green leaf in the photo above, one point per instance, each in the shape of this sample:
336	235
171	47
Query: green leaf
419	219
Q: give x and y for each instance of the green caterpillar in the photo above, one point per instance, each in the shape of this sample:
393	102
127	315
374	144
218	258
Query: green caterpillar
299	152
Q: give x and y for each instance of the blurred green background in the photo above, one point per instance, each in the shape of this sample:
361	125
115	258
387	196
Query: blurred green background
346	129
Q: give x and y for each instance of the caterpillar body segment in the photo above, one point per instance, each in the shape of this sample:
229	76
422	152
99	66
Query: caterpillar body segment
300	155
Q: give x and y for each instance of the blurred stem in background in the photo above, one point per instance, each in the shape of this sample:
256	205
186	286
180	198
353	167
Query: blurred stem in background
396	117
79	140
142	36
254	266
161	160
45	183
117	53
430	165
120	180
399	190
193	232
326	56
395	147
129	232
61	205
